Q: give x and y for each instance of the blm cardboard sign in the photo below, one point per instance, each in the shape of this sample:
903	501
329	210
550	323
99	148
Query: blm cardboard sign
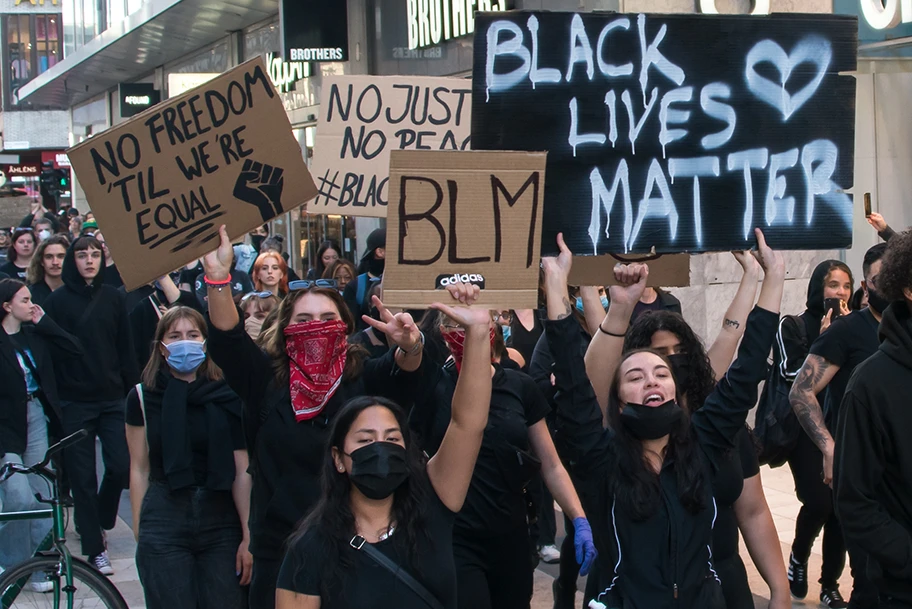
470	217
162	183
678	132
363	118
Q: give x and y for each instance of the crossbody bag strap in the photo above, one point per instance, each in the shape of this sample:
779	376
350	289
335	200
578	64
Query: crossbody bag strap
378	557
142	408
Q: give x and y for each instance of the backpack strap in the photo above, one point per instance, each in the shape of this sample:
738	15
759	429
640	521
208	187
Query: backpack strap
362	289
142	408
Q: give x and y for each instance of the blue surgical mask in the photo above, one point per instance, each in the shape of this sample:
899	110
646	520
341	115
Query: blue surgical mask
185	356
603	299
506	332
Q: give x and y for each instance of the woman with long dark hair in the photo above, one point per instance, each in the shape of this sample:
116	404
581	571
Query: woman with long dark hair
327	254
292	390
737	488
20	253
29	407
189	485
379	491
648	479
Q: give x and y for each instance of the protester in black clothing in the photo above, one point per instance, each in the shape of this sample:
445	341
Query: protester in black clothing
873	458
370	270
327	254
378	487
92	390
342	271
830	279
240	284
737	487
5	243
46	268
20	253
292	389
648	479
491	534
29	410
525	330
189	486
112	275
832	358
146	306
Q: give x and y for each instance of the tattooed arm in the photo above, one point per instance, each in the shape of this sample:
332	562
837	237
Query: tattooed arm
814	376
723	348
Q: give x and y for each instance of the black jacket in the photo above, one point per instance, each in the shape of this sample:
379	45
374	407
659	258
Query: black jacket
873	464
108	370
13	396
40	292
664	561
286	457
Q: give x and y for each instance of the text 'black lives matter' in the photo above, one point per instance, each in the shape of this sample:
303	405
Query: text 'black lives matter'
678	132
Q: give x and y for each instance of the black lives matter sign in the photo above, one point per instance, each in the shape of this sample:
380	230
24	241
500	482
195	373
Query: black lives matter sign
163	182
679	133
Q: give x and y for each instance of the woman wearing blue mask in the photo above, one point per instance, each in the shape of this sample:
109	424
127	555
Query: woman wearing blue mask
189	485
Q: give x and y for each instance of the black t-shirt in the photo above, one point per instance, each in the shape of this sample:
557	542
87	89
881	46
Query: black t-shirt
524	340
198	426
849	341
14	271
741	464
495	501
366	584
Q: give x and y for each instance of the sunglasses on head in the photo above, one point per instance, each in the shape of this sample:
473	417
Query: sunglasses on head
250	295
304	284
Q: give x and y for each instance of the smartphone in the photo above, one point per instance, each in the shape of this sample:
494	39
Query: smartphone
867	204
833	304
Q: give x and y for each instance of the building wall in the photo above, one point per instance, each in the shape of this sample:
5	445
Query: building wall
40	128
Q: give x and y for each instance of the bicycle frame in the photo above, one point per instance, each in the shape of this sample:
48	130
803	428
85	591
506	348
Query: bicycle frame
56	538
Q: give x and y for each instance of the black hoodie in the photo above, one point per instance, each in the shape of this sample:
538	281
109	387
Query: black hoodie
873	466
108	371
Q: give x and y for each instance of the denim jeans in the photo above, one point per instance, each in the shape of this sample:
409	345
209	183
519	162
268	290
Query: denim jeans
188	541
19	540
96	508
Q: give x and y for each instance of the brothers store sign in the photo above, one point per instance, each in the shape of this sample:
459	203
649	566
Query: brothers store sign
679	133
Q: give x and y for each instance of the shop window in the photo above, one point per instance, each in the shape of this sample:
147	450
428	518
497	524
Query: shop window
31	46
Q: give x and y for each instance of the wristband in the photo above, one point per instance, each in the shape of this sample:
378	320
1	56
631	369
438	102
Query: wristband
604	331
215	283
417	348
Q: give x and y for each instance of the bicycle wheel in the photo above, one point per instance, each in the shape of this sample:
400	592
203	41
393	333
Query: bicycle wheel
92	589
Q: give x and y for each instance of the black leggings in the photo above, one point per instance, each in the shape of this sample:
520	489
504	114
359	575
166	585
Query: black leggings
494	571
735	586
816	514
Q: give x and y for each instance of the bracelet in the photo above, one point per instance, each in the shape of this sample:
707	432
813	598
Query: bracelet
604	331
215	283
416	349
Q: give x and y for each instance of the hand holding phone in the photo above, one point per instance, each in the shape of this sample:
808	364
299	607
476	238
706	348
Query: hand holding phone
834	305
867	204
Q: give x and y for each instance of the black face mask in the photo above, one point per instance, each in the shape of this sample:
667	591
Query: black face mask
257	241
375	267
680	366
651	422
378	469
876	301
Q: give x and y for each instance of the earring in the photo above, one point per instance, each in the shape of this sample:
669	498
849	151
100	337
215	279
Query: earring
341	469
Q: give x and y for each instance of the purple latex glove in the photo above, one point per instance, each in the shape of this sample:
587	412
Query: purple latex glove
585	548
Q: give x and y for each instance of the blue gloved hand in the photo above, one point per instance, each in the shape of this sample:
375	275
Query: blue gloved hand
585	548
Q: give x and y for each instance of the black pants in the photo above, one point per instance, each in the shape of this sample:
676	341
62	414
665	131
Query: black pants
816	514
493	571
569	568
188	543
735	586
544	530
263	584
96	508
864	591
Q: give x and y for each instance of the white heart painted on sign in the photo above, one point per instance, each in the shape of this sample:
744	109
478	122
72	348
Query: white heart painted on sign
814	49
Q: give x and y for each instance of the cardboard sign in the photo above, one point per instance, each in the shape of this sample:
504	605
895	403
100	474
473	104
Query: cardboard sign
668	271
679	132
163	182
363	118
470	217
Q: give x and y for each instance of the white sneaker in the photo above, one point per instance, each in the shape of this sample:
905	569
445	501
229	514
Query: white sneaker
549	554
42	587
102	563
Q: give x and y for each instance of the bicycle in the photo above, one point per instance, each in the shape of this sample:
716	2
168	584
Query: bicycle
74	584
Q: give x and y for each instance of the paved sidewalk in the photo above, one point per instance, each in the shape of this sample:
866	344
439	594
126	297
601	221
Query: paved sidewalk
777	484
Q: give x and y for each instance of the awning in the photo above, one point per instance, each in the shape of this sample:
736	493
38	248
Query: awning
160	32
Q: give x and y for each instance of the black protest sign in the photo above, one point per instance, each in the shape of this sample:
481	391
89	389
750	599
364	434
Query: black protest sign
162	183
464	217
363	118
675	132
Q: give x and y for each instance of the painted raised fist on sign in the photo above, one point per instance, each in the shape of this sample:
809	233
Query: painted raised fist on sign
261	185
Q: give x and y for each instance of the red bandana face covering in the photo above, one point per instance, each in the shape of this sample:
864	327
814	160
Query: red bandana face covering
317	351
455	340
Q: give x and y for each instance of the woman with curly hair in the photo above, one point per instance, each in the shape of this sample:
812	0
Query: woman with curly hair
737	488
